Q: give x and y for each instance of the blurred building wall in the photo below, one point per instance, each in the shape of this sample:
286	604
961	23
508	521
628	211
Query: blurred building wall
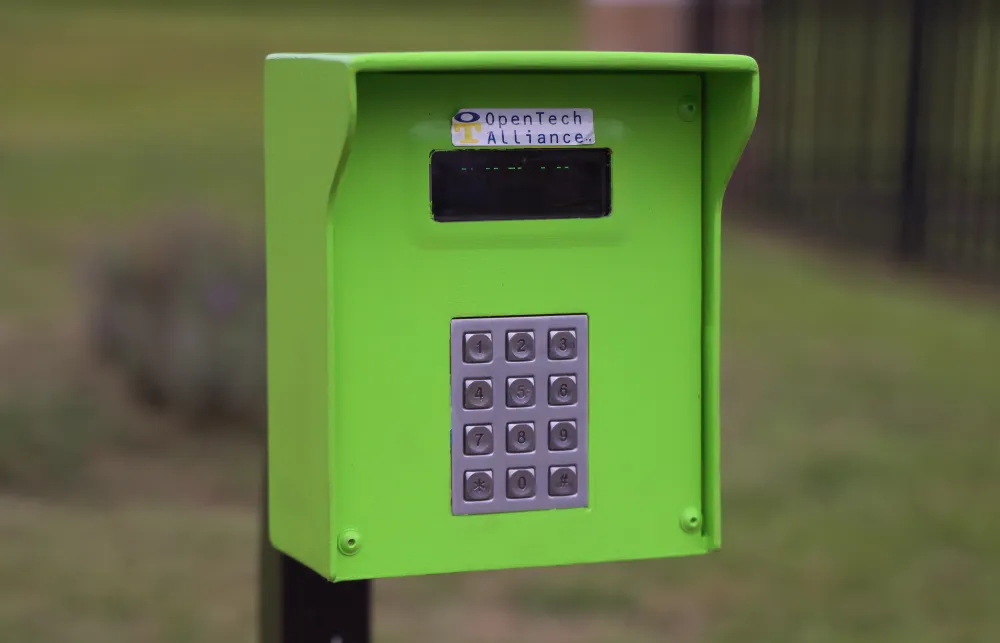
640	25
728	26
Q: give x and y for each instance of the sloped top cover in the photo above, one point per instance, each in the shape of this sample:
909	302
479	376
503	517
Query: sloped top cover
537	60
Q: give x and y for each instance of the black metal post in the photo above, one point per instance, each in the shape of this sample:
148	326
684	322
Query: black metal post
913	201
297	605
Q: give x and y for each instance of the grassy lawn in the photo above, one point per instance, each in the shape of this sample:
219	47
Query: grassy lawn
860	407
860	418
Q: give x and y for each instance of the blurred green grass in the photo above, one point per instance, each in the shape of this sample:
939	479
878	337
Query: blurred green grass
115	112
860	423
860	407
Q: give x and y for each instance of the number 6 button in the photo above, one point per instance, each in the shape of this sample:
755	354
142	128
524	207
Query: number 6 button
562	390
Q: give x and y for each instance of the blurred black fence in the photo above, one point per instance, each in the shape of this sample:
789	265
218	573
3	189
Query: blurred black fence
878	123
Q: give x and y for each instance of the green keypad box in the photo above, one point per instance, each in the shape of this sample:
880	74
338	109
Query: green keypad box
519	391
493	306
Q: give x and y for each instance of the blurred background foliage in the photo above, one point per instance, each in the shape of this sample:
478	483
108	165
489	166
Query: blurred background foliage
860	399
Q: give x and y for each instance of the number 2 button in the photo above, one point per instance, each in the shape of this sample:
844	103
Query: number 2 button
520	346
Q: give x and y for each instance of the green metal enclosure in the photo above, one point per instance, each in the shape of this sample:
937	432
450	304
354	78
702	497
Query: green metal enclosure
367	286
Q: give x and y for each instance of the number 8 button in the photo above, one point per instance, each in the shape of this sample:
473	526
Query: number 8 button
521	437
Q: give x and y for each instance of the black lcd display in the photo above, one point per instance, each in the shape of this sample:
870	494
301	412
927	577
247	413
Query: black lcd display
478	184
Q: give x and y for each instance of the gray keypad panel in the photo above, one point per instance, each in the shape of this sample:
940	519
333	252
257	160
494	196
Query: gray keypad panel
519	413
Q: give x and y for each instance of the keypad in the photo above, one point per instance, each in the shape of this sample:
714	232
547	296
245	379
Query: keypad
519	413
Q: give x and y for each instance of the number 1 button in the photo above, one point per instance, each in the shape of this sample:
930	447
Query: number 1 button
477	348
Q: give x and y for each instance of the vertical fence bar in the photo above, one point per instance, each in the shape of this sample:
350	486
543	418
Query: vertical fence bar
959	211
990	185
913	197
865	179
980	186
784	121
706	24
819	148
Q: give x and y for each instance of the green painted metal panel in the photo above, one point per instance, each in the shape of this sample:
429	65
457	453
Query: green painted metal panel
363	284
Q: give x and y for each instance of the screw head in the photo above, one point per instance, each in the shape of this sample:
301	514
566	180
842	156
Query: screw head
691	520
687	108
349	542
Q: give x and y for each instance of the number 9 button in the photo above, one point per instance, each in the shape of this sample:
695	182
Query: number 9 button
562	435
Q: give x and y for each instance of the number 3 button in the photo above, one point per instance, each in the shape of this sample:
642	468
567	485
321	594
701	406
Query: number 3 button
562	344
